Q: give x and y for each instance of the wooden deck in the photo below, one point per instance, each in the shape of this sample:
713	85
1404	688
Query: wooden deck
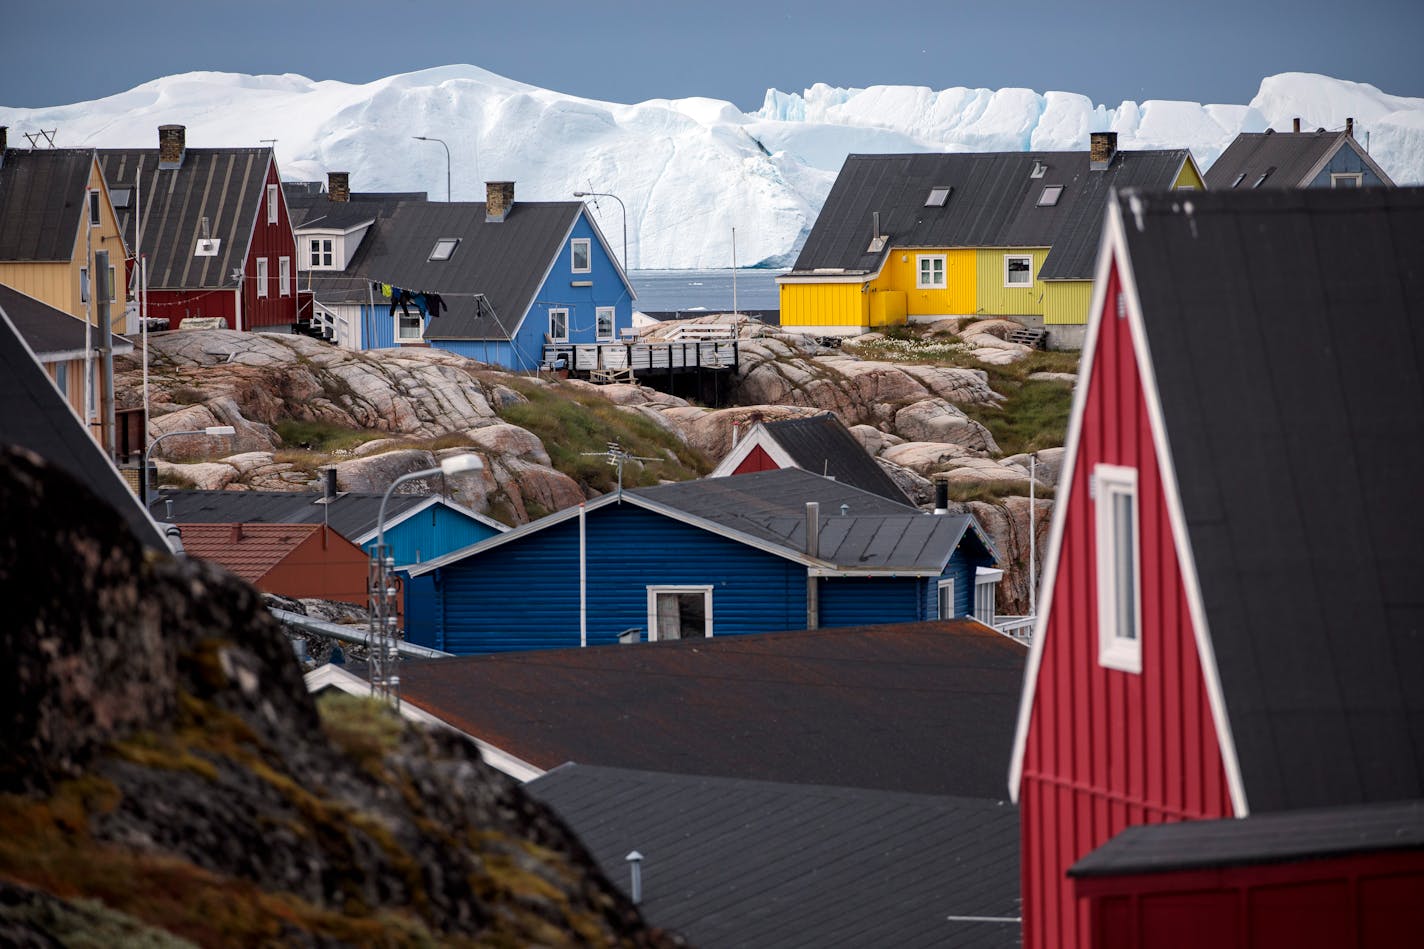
622	362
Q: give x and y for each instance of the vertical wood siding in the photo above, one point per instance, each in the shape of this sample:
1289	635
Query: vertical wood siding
432	533
757	460
272	241
901	274
55	284
1346	161
1105	748
861	601
995	299
824	304
1188	178
1066	302
177	305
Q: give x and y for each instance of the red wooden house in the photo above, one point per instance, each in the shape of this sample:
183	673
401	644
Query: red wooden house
213	225
296	560
1231	621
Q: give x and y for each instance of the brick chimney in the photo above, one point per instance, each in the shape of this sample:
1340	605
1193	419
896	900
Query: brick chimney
1350	127
1295	124
1102	146
338	186
499	199
172	143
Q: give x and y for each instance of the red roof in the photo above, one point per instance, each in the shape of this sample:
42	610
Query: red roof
248	550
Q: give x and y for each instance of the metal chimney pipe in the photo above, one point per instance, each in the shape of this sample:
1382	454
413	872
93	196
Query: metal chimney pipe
1350	127
635	870
330	481
813	529
1295	124
875	224
941	502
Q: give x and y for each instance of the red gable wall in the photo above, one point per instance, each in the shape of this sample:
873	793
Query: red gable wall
1106	749
757	460
272	241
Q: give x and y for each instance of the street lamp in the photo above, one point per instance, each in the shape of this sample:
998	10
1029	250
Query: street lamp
605	194
210	430
381	632
423	138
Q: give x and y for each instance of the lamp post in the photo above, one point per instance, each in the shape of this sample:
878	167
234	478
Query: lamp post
382	633
425	138
148	454
621	206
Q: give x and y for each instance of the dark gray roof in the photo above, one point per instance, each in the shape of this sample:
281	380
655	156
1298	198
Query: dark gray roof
51	332
352	515
994	203
224	185
752	863
771	506
37	418
1286	331
1261	838
1288	156
926	708
42	202
319	211
822	445
501	264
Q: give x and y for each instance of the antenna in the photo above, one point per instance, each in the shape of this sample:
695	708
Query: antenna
616	455
270	142
47	135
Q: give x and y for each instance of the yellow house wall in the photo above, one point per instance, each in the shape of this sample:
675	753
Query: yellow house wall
901	274
1065	302
995	299
55	284
824	304
1188	178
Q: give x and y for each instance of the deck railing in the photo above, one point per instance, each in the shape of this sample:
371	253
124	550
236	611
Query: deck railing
1016	627
642	357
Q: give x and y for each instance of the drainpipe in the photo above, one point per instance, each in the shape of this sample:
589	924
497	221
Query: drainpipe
813	549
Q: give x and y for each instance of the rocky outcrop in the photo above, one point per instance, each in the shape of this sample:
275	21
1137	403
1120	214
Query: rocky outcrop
161	756
1006	521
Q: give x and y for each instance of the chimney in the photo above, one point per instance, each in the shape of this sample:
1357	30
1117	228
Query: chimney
1350	127
172	143
813	549
236	533
941	496
499	199
736	433
1102	146
1295	124
329	481
338	186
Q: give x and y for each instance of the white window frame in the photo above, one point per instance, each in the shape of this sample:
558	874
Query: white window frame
262	288
61	378
419	317
986	594
1008	258
1119	630
272	204
83	284
451	243
945	591
1357	177
323	250
284	276
943	271
653	591
113	285
587	246
95	209
611	313
559	337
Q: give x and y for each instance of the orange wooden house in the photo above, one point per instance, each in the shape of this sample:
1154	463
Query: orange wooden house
296	560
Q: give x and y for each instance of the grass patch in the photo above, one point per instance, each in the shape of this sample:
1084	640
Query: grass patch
187	395
1033	416
323	436
572	423
995	492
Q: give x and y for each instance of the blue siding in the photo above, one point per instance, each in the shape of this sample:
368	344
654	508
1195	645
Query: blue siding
862	601
524	595
433	533
1346	161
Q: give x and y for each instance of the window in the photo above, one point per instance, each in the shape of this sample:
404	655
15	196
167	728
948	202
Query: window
1355	180
946	599
1119	573
321	252
1018	270
559	326
986	586
681	612
284	276
93	209
113	285
121	198
83	284
262	276
580	254
271	204
1239	178
605	316
444	247
410	323
1048	197
1264	175
61	378
931	272
938	196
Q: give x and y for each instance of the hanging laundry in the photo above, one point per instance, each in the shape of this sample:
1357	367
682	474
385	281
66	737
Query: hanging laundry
400	298
433	305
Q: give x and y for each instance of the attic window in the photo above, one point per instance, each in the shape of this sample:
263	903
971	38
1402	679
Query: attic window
1264	175
1049	196
207	247
1239	178
938	196
121	198
1039	170
444	248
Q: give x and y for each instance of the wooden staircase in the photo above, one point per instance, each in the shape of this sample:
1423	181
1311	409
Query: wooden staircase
1033	338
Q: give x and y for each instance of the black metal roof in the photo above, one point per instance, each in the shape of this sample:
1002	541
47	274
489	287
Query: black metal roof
42	202
225	186
994	202
1286	332
1289	157
502	264
920	707
50	332
37	418
1261	838
352	514
752	863
823	445
317	210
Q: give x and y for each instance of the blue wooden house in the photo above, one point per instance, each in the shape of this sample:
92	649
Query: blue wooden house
715	557
1296	159
493	280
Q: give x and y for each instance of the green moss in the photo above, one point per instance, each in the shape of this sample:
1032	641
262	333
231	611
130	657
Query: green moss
316	435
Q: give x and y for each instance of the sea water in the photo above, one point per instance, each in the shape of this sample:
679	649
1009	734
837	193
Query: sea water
673	290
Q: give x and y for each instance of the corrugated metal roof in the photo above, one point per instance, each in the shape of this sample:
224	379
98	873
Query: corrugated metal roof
248	550
319	211
42	202
1297	435
51	332
919	707
753	863
822	445
993	203
1288	156
224	185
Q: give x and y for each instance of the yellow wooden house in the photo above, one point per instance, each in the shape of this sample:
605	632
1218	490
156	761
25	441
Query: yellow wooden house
916	238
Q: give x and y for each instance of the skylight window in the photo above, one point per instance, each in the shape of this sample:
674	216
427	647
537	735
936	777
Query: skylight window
1264	175
120	198
1049	196
444	247
1239	178
938	196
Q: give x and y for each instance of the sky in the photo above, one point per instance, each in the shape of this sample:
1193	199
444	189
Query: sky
1212	51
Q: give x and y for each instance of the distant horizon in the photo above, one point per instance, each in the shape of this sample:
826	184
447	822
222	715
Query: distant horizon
644	50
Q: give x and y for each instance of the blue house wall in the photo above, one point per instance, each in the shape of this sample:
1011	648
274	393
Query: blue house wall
863	601
1346	161
433	532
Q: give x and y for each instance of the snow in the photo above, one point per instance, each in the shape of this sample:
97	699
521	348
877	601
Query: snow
688	170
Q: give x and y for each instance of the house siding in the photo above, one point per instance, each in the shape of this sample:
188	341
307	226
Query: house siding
825	304
901	275
757	460
1346	161
1066	302
1106	749
863	601
1188	178
995	299
325	565
432	533
272	241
